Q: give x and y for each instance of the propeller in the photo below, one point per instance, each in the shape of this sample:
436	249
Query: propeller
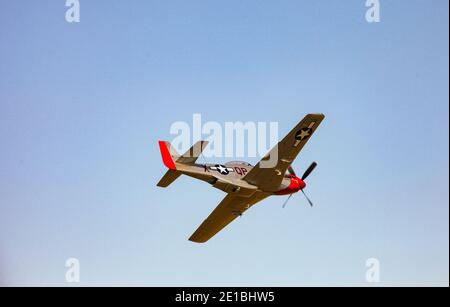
285	203
307	198
308	172
291	171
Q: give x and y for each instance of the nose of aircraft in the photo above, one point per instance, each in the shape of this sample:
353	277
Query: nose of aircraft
297	184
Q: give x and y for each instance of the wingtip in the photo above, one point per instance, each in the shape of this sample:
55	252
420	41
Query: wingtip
197	240
317	114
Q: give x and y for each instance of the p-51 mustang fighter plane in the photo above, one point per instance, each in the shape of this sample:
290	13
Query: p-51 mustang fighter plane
244	184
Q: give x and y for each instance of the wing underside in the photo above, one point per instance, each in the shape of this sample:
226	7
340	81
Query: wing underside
231	207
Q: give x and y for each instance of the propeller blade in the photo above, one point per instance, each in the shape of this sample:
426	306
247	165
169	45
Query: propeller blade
291	171
285	203
309	170
307	198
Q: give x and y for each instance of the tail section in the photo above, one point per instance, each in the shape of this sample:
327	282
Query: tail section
171	158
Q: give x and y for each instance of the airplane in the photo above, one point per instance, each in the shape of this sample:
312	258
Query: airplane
244	184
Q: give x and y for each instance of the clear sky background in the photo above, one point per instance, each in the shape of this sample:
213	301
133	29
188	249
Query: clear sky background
83	105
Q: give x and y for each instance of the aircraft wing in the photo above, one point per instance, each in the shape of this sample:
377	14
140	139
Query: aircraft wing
229	208
269	172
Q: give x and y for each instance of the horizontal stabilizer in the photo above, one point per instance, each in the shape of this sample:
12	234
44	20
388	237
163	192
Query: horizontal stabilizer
168	178
193	153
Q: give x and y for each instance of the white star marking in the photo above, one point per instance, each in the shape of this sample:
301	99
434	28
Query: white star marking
221	169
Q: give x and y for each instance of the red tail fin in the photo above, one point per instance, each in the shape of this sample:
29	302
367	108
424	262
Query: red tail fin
166	156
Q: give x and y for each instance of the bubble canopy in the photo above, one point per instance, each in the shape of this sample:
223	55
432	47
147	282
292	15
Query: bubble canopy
239	163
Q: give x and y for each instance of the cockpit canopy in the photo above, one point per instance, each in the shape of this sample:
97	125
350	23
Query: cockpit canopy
238	162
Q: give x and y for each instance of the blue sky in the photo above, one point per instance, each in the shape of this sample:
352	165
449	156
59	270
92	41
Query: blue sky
83	105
